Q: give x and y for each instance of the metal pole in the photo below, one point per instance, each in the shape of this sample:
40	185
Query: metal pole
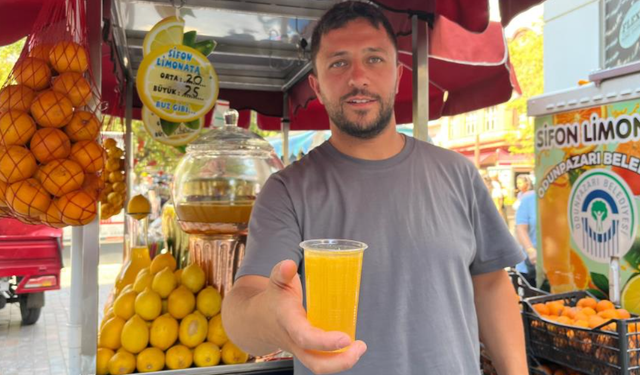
285	130
128	138
75	316
420	43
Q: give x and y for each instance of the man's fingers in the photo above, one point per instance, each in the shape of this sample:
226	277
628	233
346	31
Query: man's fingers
328	363
307	337
283	272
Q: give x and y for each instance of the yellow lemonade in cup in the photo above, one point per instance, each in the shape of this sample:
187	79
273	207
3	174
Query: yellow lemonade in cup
332	271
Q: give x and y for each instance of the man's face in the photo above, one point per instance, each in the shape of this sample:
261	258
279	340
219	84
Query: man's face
357	78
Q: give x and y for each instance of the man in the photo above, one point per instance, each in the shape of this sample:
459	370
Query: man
526	233
432	278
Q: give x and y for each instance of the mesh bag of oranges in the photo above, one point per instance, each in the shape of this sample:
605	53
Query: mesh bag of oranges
51	159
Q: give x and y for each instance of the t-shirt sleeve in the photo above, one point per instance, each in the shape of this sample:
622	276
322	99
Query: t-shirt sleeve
495	246
524	211
274	233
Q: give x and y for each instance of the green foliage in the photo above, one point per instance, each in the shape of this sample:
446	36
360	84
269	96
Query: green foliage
254	127
526	55
8	56
152	156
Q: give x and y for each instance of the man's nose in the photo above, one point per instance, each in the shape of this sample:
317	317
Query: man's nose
359	76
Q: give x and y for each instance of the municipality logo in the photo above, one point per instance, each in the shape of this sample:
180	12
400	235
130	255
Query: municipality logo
602	215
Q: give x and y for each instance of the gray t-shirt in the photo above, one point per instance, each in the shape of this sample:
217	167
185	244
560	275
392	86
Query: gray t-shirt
430	225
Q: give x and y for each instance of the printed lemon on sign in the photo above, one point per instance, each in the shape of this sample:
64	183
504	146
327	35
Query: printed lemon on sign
168	32
630	296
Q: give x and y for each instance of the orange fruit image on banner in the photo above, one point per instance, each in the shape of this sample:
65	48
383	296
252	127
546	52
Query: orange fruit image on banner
579	270
49	144
93	184
28	198
18	97
68	57
74	86
89	154
41	52
52	109
53	216
61	176
579	117
84	126
631	178
16	128
16	163
33	73
77	207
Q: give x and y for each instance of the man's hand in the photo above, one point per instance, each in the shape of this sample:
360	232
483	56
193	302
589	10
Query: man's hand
280	320
533	255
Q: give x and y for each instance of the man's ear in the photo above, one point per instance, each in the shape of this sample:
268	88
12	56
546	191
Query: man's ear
400	69
315	86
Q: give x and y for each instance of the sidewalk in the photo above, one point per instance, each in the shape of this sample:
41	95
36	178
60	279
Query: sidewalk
42	349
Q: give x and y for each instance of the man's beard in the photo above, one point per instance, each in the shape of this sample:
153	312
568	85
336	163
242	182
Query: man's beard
358	128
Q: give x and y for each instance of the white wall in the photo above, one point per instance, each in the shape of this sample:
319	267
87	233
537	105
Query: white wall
571	42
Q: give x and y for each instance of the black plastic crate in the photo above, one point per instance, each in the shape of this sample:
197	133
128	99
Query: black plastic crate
592	351
522	286
488	369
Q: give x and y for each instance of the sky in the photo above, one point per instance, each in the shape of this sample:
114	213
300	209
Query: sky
525	19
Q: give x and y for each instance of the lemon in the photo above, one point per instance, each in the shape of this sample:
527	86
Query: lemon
162	261
164	332
150	359
115	176
110	333
193	277
126	288
181	302
178	357
217	334
124	305
143	280
209	301
630	296
232	355
164	283
178	275
165	306
121	363
167	32
135	335
193	330
206	354
139	207
110	142
148	304
110	314
102	360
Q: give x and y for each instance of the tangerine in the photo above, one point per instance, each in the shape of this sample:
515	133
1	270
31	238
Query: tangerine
17	97
52	109
33	73
16	163
89	154
93	184
41	52
28	197
84	126
77	207
16	128
74	86
68	56
53	216
61	176
49	144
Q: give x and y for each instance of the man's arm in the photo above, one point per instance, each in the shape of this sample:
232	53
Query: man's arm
522	233
261	315
500	323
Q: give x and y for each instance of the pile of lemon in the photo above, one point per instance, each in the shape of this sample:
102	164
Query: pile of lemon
166	319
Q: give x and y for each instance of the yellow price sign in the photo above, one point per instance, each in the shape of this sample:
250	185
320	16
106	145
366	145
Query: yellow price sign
171	133
177	83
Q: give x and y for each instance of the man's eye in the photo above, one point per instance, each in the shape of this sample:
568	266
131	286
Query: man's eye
375	59
338	64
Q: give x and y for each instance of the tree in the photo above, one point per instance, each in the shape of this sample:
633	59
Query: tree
526	54
8	56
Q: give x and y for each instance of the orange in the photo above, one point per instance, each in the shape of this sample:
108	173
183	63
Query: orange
16	163
89	154
77	207
41	51
50	144
16	128
28	198
604	305
52	109
587	302
84	126
622	313
74	86
5	212
555	308
3	193
53	216
588	311
17	97
595	321
541	308
33	73
93	184
68	57
61	176
608	314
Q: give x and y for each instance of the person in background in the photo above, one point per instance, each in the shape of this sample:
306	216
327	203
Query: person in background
523	185
526	228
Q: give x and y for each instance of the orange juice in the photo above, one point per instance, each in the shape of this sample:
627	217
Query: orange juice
332	278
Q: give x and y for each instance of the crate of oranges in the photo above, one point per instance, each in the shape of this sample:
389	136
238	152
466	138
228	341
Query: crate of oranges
589	335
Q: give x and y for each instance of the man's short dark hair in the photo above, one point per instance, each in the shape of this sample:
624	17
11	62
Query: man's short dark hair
341	14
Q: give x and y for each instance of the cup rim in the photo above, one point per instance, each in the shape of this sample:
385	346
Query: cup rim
352	245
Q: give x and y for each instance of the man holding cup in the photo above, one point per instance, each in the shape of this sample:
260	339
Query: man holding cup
432	278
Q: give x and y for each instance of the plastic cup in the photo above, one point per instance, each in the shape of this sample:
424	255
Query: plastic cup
332	277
